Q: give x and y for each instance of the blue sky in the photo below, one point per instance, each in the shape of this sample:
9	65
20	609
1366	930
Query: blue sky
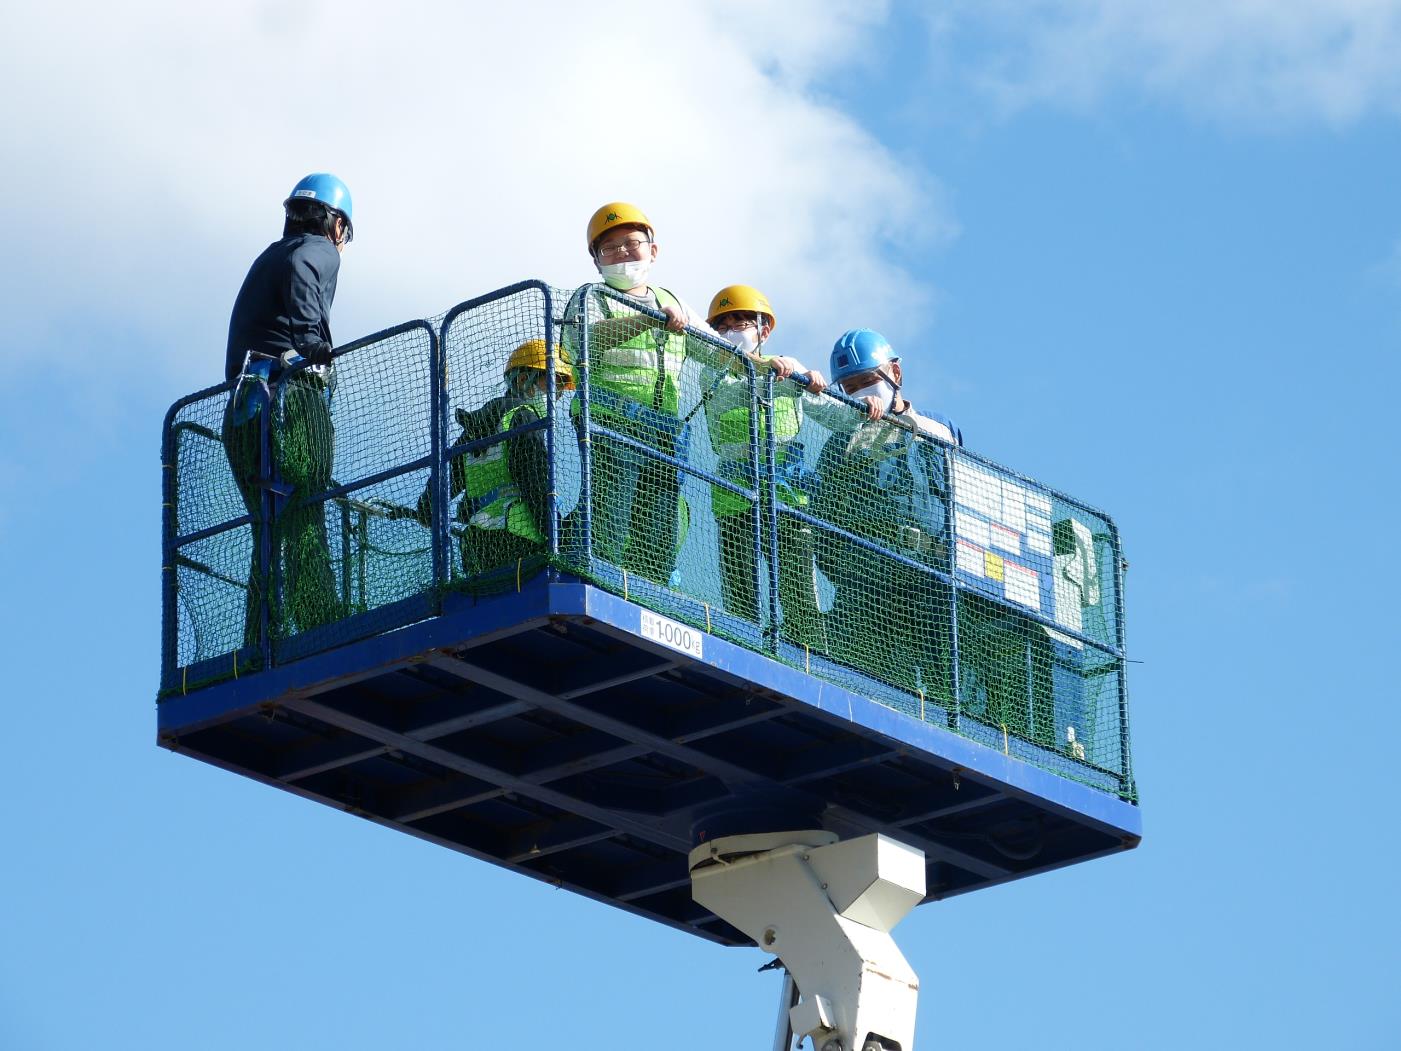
1149	254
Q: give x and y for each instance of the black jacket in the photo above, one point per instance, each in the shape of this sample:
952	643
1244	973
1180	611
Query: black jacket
285	301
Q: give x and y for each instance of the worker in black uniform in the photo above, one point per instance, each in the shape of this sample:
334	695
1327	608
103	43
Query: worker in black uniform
280	320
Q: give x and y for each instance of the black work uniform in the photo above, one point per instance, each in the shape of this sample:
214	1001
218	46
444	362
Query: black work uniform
285	305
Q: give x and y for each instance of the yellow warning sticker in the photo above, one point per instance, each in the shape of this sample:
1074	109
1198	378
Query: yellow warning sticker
992	565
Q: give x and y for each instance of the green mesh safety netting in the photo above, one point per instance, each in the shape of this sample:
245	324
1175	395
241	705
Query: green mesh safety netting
282	514
497	445
538	427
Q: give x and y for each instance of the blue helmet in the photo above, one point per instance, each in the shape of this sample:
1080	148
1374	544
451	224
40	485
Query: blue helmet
326	188
860	350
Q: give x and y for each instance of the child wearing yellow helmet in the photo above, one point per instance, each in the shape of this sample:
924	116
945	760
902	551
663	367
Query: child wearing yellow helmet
635	366
743	316
504	512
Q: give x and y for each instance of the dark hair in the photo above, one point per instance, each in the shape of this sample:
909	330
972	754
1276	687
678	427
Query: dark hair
305	216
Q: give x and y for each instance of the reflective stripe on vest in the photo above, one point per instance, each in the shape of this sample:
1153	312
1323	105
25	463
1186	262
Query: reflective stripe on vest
629	369
488	480
729	432
628	357
729	438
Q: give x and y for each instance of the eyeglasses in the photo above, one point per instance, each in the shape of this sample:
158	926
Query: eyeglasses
734	324
632	246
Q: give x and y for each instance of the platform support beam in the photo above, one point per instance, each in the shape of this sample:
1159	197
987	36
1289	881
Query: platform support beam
825	908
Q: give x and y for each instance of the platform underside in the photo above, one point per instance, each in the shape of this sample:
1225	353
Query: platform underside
541	731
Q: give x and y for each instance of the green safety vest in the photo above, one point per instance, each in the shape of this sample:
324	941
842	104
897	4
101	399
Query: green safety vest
637	368
495	496
729	438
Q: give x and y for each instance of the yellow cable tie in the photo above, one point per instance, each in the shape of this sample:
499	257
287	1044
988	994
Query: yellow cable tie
518	574
183	673
167	505
235	659
1004	740
707	616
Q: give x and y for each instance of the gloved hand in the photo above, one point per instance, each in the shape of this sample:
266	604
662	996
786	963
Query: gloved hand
317	353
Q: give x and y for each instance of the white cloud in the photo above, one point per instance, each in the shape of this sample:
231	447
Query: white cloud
1267	61
156	141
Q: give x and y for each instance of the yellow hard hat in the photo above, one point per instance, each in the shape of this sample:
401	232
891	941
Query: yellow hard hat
531	355
618	213
744	298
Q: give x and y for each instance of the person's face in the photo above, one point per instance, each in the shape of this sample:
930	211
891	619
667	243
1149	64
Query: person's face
624	244
889	371
537	380
739	321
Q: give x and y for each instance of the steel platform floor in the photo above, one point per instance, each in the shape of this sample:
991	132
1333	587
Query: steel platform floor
544	731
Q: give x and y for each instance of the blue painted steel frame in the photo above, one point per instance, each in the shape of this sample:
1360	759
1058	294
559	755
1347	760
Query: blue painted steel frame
543	600
443	453
170	541
753	495
268	568
766	509
871	737
434	629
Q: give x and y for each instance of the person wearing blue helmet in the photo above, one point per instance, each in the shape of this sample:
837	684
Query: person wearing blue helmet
866	368
280	341
883	480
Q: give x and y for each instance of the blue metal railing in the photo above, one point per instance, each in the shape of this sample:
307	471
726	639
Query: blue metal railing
388	576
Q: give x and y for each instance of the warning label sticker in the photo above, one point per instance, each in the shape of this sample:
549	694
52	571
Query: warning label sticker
1007	539
992	565
970	558
1023	585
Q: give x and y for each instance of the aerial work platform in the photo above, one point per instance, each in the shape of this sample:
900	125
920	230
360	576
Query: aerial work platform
744	638
548	732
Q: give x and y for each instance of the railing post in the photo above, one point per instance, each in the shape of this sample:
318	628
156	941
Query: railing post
951	533
269	568
1127	788
170	578
551	467
770	491
756	509
585	430
439	471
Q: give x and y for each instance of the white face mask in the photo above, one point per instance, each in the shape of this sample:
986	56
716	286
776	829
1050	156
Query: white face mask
883	391
624	276
745	340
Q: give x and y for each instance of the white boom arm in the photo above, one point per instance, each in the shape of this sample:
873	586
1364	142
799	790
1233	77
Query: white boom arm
826	909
